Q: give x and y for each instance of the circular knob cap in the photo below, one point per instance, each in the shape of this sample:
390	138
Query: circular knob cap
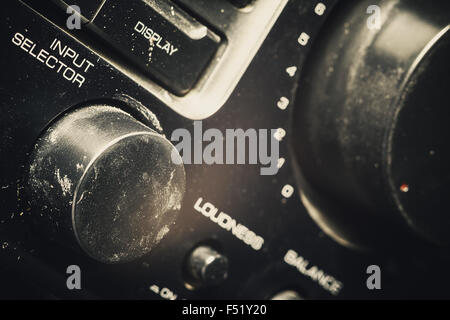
102	179
371	125
207	266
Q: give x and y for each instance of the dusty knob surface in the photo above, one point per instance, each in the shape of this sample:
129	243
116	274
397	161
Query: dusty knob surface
371	125
101	180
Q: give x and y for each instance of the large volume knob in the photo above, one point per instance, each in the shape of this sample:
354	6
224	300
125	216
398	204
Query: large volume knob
371	124
101	180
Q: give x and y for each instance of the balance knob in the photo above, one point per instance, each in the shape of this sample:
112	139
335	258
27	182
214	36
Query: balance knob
207	266
371	125
103	181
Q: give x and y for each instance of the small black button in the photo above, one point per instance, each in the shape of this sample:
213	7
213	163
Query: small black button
166	42
207	266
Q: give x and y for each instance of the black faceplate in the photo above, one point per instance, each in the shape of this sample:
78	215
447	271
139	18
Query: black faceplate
32	95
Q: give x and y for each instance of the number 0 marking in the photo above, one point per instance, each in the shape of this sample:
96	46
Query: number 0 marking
287	191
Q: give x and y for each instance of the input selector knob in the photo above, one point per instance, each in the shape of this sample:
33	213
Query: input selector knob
104	182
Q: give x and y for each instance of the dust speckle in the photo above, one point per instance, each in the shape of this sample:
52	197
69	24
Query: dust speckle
162	233
64	182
